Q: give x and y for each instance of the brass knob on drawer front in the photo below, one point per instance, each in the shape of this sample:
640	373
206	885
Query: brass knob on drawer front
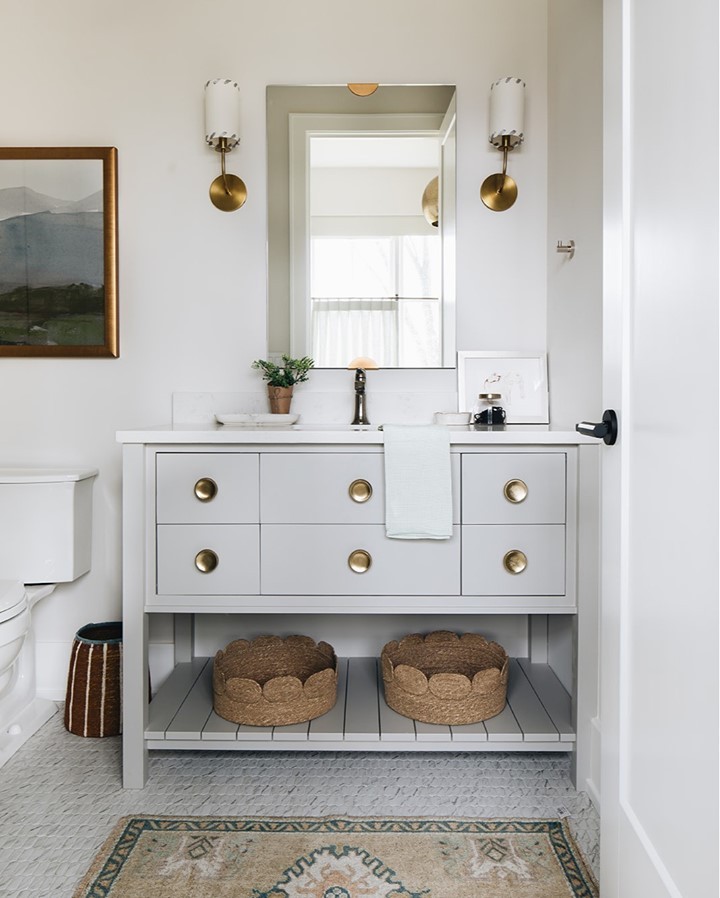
206	489
360	490
359	561
206	561
515	491
515	561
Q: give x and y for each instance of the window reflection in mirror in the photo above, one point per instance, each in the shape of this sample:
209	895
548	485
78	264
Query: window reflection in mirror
375	263
358	270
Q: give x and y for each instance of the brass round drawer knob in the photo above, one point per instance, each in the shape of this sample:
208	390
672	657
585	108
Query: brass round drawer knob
360	490
515	491
359	561
206	561
206	489
515	561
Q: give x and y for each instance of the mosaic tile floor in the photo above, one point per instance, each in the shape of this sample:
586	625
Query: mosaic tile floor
60	795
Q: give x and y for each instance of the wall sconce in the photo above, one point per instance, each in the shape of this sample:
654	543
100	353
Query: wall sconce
507	108
222	127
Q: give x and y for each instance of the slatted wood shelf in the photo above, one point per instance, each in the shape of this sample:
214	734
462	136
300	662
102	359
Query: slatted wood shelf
537	717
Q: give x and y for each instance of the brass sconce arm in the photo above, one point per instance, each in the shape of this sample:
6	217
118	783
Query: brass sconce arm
227	192
223	149
505	149
499	192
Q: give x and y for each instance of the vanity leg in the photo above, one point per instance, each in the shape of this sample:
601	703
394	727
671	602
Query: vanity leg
135	701
135	626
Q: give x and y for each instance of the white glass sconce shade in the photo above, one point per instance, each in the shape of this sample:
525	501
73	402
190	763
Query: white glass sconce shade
222	112
507	111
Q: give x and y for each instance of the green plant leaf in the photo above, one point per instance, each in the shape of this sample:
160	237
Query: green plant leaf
290	372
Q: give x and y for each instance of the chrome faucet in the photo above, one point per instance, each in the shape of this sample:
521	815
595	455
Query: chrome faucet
360	407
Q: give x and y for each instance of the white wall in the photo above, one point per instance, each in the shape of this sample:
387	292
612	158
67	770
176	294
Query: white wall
192	279
574	299
368	191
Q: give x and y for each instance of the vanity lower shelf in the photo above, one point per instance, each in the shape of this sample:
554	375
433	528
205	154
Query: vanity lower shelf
537	717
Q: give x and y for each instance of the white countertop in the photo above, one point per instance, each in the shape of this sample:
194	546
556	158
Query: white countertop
221	434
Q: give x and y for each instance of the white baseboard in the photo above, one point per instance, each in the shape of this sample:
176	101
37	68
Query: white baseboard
23	726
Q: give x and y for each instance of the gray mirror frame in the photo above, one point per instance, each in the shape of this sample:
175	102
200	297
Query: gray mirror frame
281	102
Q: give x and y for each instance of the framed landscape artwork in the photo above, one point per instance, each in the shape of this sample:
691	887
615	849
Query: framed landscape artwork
519	377
58	251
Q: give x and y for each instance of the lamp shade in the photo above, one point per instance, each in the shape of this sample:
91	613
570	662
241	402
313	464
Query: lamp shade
222	111
507	111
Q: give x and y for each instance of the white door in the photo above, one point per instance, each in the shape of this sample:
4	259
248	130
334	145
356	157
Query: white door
659	632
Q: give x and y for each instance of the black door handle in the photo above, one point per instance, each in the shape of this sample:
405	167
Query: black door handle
606	430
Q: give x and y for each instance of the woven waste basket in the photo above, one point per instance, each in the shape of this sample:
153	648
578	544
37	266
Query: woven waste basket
445	677
92	701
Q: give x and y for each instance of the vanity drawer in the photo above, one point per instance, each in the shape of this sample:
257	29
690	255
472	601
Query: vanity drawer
514	488
207	488
315	560
318	488
208	559
513	560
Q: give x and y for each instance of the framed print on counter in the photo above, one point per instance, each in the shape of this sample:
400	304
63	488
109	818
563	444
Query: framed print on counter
519	377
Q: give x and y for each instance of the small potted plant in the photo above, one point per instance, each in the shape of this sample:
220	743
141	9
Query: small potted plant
281	378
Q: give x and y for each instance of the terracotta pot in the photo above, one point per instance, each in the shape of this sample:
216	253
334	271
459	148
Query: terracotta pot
280	399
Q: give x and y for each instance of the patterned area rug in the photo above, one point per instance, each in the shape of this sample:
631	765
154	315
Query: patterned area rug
202	857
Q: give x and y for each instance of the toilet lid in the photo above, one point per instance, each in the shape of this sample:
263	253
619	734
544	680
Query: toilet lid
12	599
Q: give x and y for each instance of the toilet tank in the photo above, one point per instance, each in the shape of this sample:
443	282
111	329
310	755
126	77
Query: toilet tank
45	523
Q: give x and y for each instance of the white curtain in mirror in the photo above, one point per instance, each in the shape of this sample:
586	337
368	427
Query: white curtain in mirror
376	296
344	328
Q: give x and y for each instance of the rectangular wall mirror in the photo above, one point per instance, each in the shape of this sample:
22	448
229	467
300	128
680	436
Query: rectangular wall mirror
361	224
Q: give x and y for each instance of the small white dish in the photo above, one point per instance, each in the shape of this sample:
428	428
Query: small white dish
451	419
256	419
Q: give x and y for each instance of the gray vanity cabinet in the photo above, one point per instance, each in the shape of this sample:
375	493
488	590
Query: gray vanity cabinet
260	523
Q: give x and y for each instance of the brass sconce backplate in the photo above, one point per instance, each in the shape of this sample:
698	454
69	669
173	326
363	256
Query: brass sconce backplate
498	192
228	193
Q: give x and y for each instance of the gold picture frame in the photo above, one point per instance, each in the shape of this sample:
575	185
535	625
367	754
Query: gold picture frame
58	252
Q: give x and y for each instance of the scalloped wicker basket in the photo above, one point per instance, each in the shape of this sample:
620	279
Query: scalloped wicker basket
273	681
444	677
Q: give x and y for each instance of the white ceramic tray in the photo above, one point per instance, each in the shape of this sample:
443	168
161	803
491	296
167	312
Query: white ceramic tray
451	419
264	419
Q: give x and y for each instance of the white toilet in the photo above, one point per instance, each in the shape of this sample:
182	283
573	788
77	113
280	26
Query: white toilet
45	539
